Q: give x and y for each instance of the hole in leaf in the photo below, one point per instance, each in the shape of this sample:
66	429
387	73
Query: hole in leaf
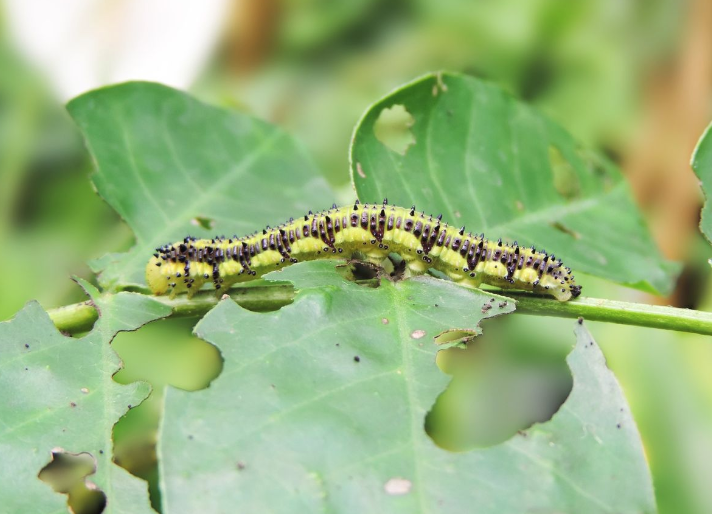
66	473
392	128
566	230
161	353
507	381
565	179
200	221
455	337
363	273
134	438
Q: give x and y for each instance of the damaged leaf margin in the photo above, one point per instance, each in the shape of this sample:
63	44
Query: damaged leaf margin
58	392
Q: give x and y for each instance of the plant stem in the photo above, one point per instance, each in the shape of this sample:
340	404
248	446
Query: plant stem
625	313
81	316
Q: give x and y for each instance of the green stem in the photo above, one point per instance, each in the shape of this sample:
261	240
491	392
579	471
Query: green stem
625	313
81	316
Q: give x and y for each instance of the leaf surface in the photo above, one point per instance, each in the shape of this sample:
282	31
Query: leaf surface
58	392
296	424
172	166
495	165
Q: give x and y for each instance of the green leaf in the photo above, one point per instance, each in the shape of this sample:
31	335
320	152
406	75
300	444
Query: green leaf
58	392
702	165
295	424
491	163
171	166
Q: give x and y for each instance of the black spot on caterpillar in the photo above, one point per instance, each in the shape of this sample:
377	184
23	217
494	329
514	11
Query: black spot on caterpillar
372	230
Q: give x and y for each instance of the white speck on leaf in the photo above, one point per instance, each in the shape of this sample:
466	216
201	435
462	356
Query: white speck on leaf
359	170
398	486
417	334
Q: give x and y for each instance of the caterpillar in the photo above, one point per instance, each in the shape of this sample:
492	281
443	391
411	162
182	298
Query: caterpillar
373	231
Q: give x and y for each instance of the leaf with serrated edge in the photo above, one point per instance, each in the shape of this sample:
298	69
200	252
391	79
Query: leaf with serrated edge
58	392
295	424
497	166
165	161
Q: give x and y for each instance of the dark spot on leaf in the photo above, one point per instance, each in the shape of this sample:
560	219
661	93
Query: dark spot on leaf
241	465
357	359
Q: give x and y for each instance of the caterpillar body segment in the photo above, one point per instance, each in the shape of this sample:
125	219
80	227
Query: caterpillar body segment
372	230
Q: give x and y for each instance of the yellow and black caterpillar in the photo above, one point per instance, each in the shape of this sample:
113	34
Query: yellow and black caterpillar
374	231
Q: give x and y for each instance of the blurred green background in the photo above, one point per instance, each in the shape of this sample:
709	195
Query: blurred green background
631	78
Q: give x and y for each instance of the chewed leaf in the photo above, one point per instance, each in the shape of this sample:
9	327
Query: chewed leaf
321	407
497	166
58	397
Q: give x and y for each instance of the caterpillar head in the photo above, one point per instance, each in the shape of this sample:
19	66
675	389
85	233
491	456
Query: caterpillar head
156	279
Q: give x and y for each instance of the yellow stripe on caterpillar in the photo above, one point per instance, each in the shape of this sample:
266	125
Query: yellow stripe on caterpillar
374	230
